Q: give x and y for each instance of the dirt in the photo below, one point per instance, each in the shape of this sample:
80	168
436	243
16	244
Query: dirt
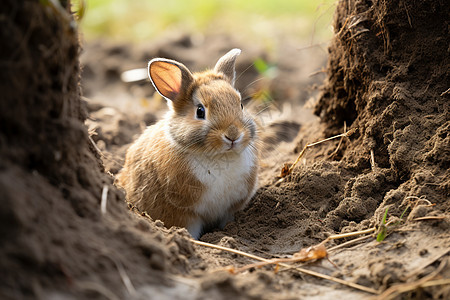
387	77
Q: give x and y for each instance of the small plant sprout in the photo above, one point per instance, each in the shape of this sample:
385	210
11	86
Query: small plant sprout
383	231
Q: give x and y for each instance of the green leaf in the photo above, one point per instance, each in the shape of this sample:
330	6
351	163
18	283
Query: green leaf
261	66
385	216
382	234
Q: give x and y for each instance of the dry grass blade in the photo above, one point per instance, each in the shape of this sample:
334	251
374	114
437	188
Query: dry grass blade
340	142
304	255
350	234
242	253
346	244
286	171
429	218
372	161
446	92
302	270
95	146
104	199
444	281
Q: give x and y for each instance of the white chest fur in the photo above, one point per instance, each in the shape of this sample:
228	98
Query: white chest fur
225	179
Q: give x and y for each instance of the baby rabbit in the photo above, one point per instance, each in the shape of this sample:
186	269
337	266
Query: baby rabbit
197	166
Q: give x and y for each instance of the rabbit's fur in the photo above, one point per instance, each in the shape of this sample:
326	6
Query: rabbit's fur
188	171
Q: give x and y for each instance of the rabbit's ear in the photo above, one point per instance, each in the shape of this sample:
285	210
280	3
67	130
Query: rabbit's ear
226	63
170	78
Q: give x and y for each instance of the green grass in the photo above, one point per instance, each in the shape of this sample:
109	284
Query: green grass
140	20
382	229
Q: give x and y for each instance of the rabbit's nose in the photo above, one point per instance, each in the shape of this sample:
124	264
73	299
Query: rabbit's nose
232	133
230	139
232	142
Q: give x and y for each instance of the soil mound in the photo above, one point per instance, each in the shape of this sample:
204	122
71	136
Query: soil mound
388	76
54	239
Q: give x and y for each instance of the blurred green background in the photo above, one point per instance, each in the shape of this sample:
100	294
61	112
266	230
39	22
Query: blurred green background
254	20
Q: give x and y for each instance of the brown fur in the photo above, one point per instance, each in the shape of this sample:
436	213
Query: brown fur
157	174
152	187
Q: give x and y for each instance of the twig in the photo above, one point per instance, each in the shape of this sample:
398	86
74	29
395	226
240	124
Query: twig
446	92
419	199
362	238
303	205
343	27
416	203
407	14
284	172
104	199
302	270
340	141
357	19
429	218
350	234
304	255
358	33
95	146
443	281
372	161
229	250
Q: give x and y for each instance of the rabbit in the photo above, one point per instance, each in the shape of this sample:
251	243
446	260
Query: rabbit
198	165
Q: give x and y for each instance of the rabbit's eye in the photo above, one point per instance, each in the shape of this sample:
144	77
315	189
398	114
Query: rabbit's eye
242	106
200	112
